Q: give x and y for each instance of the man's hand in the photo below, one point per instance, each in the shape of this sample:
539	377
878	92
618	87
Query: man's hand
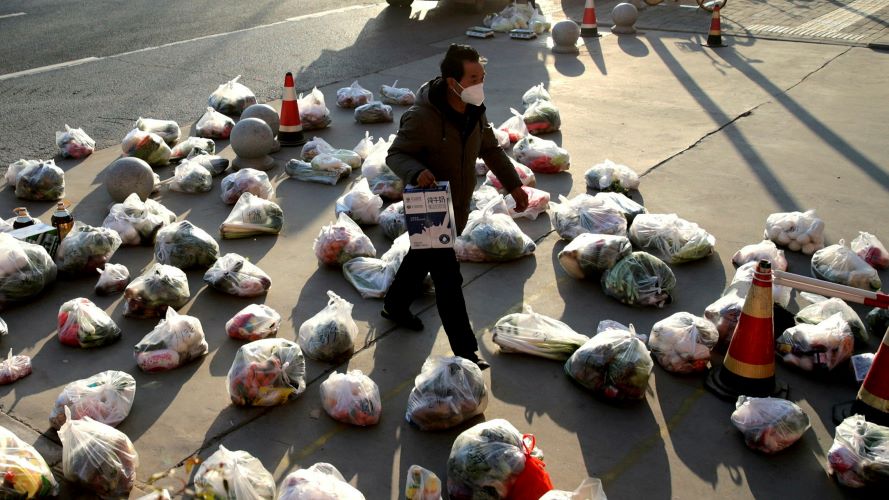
426	179
521	199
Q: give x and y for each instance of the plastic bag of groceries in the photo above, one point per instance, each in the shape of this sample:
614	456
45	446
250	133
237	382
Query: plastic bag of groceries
231	97
542	117
147	146
86	248
214	125
502	137
839	264
541	155
184	245
383	181
534	94
335	160
82	324
352	159
625	205
168	130
106	397
176	340
353	96
589	489
820	347
136	221
798	231
373	112
15	168
158	288
14	367
586	214
373	277
769	425
538	203
859	456
307	172
743	280
725	313
614	364
352	398
421	484
483	195
252	216
764	250
671	238
589	254
247	180
640	279
320	481
541	24
877	321
214	164
392	94
610	176
342	241
235	275
99	457
532	333
360	204
526	176
869	248
329	335
315	147
233	474
74	143
365	146
267	372
25	269
42	181
491	235
392	220
449	390
254	322
313	112
189	145
681	343
191	177
514	126
26	473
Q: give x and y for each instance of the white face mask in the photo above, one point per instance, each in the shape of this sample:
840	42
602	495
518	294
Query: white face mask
474	94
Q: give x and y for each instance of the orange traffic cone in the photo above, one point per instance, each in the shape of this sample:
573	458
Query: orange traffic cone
290	132
749	366
588	26
715	37
873	397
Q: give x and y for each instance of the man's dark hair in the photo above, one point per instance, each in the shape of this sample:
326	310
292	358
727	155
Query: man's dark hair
457	54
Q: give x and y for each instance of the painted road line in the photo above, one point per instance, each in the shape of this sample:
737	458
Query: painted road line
4	16
51	67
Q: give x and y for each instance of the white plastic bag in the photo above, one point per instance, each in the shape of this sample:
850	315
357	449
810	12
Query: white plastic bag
247	180
315	147
86	248
252	216
235	475
681	343
176	340
266	372
168	130
421	484
614	363
158	288
254	322
589	254
42	181
627	206
214	164
353	96
25	269
448	391
26	473
235	275
485	460
106	397
214	125
184	245
589	489
320	481
491	235
538	203
307	172
823	308
859	453
372	277
392	94
329	335
798	231
99	457
839	264
769	425
313	112
541	155
820	347
360	204
74	143
526	176
373	112
483	196
231	98
381	178
191	177
542	117
514	126
532	333
352	398
83	324
671	238
147	146
13	367
136	221
764	250
502	137
342	241
364	146
114	278
869	248
743	280
586	214
183	149
640	279
392	220
534	94
610	176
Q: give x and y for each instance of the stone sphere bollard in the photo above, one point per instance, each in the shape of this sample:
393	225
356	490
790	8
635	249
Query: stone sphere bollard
565	34
252	140
129	175
624	16
267	114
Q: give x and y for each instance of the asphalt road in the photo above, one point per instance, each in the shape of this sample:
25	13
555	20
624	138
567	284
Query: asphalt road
135	72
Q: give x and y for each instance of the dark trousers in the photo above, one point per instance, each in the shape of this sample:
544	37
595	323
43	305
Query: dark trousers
408	286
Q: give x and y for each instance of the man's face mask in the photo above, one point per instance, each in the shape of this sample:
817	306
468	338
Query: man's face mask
474	94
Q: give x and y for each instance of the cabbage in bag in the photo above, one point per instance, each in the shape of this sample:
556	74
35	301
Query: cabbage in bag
640	279
329	335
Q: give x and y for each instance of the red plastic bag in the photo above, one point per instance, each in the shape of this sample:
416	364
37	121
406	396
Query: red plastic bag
534	481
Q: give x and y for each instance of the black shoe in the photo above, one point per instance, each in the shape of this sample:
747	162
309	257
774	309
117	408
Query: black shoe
482	364
406	319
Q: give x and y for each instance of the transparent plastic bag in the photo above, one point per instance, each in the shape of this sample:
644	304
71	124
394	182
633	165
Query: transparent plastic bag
526	176
214	164
365	146
640	279
360	204
353	96
114	278
214	125
381	178
541	155
82	324
25	269
869	248
74	143
839	264
315	147
586	214
247	180
191	177
538	203
254	322
329	162
136	221
625	205
671	238
502	137
491	235
176	340
341	241
235	275
485	461
99	457
542	117
743	280
614	364
14	367
313	112
877	322
352	398
168	130
589	254
42	181
86	248
106	397
769	425
329	335
449	390
798	231
372	277
681	343
764	250
392	94
306	172
534	94
514	126
589	489
320	481
158	288
191	144
541	24
147	146
820	347
352	159
267	372
26	473
859	456
184	245
16	168
231	98
421	484
610	176
482	196
392	220
235	475
725	313
252	216
532	333
373	112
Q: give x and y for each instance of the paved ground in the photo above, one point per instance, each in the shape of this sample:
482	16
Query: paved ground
721	137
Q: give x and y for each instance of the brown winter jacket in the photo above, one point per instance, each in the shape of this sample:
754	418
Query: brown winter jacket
433	135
